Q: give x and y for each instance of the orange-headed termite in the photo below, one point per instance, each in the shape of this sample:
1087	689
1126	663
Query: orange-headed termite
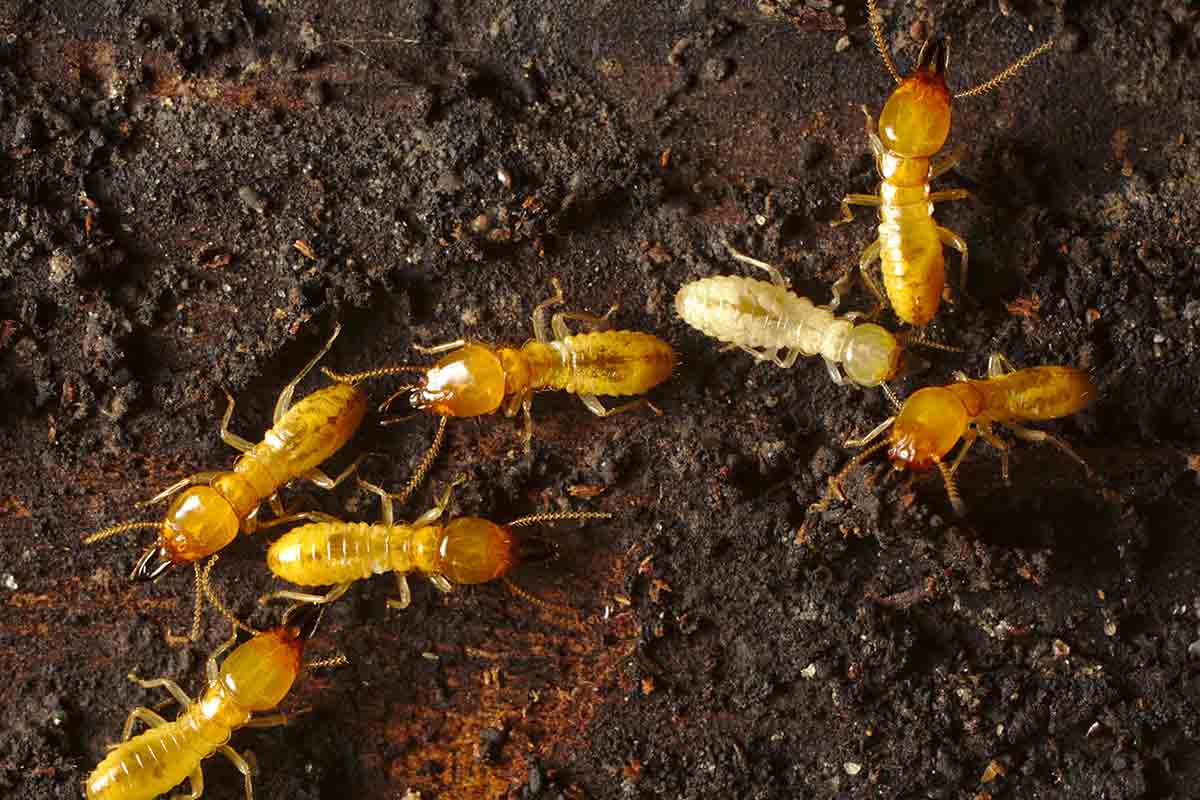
462	551
913	126
255	678
214	506
932	420
473	378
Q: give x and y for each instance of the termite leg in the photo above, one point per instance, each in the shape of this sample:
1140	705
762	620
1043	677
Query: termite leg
275	720
1041	437
227	436
834	371
163	683
304	597
200	478
956	501
870	255
152	720
776	276
196	782
323	481
1000	445
299	516
877	148
539	312
947	163
240	764
213	670
284	401
875	433
950	195
968	441
596	407
439	348
558	323
441	584
404	598
952	239
788	361
527	408
998	364
855	200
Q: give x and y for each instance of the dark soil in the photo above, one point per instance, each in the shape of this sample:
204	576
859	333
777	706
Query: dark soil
441	162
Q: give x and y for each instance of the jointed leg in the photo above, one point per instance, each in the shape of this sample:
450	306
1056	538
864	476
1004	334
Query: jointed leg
284	401
1000	445
196	781
865	261
227	436
242	767
275	720
199	479
835	372
968	441
304	597
1041	437
439	348
596	407
558	323
877	148
952	239
527	409
855	199
863	441
147	716
776	276
163	683
943	165
323	481
404	598
212	669
999	365
441	584
299	516
949	195
539	312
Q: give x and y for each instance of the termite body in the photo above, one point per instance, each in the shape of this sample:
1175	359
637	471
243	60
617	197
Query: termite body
475	379
764	319
913	127
212	507
460	551
255	678
932	420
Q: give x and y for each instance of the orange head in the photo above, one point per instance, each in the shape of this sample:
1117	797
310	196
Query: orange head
915	121
260	672
466	383
475	550
198	523
929	424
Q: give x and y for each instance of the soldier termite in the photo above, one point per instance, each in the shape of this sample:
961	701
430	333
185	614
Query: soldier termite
932	420
473	378
461	551
913	126
255	678
214	506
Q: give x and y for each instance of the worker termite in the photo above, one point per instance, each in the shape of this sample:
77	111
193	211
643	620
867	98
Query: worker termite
932	420
765	318
913	126
214	506
255	678
475	378
463	551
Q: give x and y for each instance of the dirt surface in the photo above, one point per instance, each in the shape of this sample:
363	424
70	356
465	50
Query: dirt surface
191	193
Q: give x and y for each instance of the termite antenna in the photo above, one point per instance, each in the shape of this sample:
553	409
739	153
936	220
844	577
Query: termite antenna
386	404
891	396
206	587
876	21
835	483
956	500
358	377
1005	74
338	660
553	608
117	530
197	609
426	463
558	516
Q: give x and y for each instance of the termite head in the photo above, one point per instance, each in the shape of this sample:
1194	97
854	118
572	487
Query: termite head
476	550
466	383
872	355
198	523
915	121
929	424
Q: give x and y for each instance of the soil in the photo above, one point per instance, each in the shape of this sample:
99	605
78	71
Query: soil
193	192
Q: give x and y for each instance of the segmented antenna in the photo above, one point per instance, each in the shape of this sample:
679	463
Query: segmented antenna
876	21
116	530
1008	72
216	601
357	377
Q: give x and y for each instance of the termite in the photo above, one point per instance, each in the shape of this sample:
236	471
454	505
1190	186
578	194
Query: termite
913	127
214	506
473	378
254	678
932	420
462	551
764	319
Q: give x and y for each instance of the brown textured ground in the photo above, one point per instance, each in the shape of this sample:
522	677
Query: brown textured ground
159	159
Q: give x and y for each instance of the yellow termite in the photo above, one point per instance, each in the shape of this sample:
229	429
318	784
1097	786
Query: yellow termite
475	378
764	319
932	420
913	127
462	551
255	678
214	506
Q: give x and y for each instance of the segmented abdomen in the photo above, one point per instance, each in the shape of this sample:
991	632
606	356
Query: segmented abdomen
324	553
612	363
1041	393
149	764
914	268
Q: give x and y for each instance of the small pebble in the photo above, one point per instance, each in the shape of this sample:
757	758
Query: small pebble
8	581
852	768
842	45
25	134
717	69
252	199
